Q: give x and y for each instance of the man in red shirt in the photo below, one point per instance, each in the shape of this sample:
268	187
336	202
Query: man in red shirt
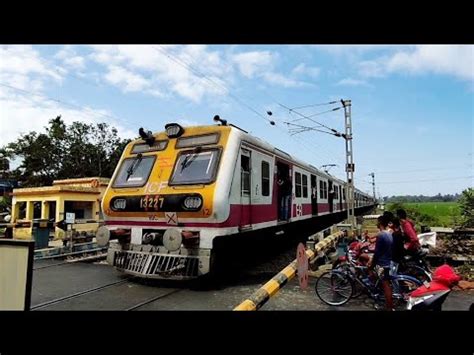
413	244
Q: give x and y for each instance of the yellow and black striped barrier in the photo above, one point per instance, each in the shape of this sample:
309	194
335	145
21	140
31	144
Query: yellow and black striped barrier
268	290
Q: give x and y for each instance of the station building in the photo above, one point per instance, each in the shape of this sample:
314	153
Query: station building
80	196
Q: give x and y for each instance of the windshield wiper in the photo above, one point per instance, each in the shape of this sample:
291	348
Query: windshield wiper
134	165
190	158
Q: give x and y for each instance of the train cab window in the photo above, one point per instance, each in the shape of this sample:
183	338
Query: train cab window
245	174
297	185
265	178
134	172
305	186
195	167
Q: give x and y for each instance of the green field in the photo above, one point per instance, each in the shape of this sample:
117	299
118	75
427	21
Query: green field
445	214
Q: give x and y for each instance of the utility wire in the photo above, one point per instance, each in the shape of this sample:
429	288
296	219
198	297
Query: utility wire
59	101
213	82
304	116
314	105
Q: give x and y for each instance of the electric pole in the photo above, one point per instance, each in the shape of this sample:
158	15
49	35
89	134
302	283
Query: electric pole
350	168
373	185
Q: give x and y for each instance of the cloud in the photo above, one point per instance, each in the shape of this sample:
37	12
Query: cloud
23	68
32	113
22	65
281	80
179	69
372	68
70	59
253	63
351	82
302	69
457	61
125	79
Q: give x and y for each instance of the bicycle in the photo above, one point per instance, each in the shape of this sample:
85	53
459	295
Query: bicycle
338	286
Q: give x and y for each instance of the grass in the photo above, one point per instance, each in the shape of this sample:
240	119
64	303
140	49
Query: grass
444	214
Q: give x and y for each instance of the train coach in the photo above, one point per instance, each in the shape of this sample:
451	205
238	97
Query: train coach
175	194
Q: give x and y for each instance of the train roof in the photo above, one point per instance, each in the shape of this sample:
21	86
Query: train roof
269	147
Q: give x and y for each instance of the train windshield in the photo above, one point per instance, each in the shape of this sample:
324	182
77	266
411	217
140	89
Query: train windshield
134	172
195	168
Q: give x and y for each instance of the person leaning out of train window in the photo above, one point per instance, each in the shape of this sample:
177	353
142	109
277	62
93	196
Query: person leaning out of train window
383	257
412	244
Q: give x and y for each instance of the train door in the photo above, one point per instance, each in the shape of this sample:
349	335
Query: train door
245	189
340	198
284	190
314	195
331	196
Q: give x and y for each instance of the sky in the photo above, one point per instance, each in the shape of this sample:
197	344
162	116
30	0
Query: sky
412	106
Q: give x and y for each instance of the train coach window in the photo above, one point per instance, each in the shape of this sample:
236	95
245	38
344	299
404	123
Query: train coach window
245	174
145	148
265	179
305	186
297	184
134	172
321	189
185	142
195	168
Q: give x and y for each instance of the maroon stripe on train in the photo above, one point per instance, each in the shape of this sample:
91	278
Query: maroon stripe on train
238	214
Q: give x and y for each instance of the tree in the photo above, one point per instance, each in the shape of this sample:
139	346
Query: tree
78	150
466	203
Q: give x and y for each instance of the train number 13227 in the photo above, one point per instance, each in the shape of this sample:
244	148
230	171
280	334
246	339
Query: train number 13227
152	202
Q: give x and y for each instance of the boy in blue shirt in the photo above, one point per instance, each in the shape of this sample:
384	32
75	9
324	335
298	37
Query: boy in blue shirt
383	257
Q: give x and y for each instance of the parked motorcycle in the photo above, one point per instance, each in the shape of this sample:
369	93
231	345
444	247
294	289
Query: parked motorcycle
432	295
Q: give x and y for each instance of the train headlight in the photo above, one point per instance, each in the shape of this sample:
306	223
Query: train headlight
119	204
192	202
174	130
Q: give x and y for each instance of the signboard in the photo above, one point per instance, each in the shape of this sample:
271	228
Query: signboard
16	274
70	218
302	260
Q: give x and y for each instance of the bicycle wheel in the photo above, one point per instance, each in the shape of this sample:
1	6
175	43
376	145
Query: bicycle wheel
334	288
417	272
406	285
358	290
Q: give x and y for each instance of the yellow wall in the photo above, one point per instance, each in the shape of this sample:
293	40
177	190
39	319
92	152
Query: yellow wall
26	233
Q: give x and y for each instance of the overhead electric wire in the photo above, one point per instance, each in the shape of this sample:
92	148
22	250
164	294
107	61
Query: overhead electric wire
201	75
205	77
304	116
78	107
314	105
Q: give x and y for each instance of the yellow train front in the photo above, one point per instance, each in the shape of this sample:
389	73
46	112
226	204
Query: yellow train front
160	208
176	195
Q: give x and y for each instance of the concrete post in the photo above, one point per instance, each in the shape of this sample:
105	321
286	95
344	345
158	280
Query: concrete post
45	210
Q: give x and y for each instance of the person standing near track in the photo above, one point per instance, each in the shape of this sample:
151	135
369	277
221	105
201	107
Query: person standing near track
412	244
383	258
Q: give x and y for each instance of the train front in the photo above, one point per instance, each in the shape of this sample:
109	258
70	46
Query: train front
160	206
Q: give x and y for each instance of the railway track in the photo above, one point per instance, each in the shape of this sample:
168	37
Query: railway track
70	261
77	294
